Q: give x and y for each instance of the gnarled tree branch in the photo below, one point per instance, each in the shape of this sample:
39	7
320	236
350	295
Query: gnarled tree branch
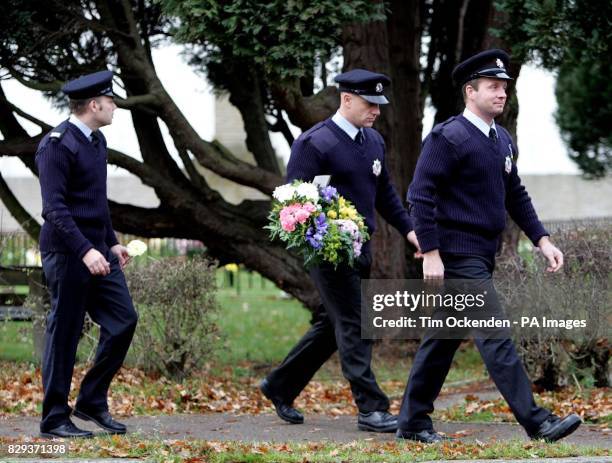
27	222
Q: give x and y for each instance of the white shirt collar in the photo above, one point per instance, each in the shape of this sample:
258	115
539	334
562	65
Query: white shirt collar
345	125
81	125
478	122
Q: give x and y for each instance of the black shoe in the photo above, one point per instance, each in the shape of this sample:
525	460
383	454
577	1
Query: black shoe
284	410
67	431
377	422
102	419
554	428
427	436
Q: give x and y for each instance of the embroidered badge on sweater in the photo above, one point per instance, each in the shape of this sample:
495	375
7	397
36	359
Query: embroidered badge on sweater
509	159
376	167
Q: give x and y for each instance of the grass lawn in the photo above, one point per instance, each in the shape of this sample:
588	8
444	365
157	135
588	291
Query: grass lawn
259	324
132	446
16	341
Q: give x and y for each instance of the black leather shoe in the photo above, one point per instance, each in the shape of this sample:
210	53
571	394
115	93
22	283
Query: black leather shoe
284	410
554	428
427	436
377	422
67	431
102	419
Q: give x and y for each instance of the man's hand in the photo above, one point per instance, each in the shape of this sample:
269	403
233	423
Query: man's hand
412	239
122	254
433	268
552	254
96	263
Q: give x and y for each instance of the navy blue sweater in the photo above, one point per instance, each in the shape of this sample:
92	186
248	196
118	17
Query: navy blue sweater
463	184
326	149
72	173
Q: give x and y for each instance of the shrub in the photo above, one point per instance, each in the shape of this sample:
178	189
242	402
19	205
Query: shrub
176	301
580	291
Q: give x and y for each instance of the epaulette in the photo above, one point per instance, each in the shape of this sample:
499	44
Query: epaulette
67	139
322	138
452	130
58	132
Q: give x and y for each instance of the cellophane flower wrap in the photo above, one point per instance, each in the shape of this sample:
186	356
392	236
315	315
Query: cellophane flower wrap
318	223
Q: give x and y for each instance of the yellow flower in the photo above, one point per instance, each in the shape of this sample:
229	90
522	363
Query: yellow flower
231	267
341	202
332	214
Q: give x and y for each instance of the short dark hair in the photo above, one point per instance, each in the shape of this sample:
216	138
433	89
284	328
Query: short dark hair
78	107
472	83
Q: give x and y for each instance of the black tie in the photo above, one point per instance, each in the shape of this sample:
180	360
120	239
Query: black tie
493	134
95	139
359	137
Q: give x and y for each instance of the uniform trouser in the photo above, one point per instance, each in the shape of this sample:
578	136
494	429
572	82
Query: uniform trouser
337	328
434	356
74	291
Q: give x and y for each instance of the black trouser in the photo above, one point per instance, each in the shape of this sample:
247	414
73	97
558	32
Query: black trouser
74	291
338	327
434	356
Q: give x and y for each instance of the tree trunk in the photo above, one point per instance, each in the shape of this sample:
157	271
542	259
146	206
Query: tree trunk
460	28
512	233
366	46
404	31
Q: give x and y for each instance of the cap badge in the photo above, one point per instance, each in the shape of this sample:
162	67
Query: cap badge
500	63
379	87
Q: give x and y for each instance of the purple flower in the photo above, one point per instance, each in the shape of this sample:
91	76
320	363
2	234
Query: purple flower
329	193
313	238
321	223
315	235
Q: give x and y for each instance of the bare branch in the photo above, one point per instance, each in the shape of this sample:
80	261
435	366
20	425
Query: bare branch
27	222
198	179
43	125
137	101
9	125
141	170
35	85
305	111
159	221
280	125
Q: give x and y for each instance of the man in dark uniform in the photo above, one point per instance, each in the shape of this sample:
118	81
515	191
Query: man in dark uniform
464	183
82	261
347	148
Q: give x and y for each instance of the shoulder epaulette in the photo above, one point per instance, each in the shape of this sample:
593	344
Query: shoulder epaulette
58	132
452	130
322	137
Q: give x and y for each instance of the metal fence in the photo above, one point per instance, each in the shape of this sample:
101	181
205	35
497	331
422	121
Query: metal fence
18	249
586	223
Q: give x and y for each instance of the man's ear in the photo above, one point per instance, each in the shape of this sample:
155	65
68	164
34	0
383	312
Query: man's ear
348	99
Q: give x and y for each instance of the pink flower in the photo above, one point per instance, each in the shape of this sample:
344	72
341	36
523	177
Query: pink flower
295	213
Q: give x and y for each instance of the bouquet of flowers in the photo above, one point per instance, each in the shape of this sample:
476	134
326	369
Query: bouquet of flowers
316	221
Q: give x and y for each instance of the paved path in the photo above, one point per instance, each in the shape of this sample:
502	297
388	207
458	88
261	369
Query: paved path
268	427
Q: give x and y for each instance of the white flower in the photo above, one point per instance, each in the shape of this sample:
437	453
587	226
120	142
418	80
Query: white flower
283	193
348	226
136	248
308	191
376	167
